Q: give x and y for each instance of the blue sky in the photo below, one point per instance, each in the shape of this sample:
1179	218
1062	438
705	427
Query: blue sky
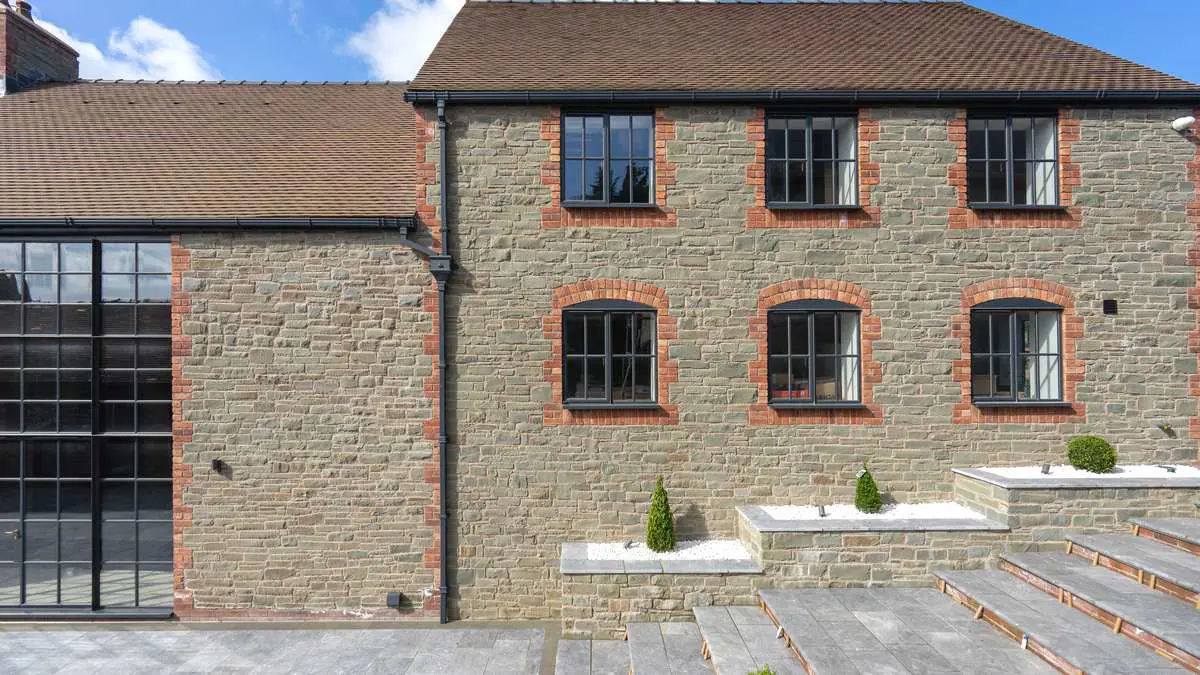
388	39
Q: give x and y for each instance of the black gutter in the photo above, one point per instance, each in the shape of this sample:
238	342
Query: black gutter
441	266
91	227
1091	96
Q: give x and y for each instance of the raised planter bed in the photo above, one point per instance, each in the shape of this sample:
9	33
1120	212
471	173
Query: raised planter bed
1063	476
709	556
934	516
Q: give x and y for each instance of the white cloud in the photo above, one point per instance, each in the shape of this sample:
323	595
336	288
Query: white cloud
294	8
398	38
145	50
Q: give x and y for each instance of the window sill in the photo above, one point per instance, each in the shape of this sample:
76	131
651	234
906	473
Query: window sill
796	405
1021	404
611	406
1049	208
784	206
605	205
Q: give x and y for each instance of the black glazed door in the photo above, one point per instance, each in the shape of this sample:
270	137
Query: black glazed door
85	427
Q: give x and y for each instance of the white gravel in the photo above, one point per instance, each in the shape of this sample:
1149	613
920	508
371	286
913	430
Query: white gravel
1068	471
699	549
924	511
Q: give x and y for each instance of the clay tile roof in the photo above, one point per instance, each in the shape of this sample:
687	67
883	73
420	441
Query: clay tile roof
802	47
112	149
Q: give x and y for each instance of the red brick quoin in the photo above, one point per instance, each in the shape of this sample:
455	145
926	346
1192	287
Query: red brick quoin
181	429
668	371
869	330
1193	217
1070	176
966	412
426	170
865	215
556	215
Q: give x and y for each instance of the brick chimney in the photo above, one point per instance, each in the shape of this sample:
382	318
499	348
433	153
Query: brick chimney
31	53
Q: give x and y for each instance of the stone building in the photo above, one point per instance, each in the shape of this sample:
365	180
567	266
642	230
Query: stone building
422	335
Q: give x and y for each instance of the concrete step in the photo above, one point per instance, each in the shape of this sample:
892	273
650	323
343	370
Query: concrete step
1159	566
1123	605
666	649
591	657
742	639
1182	533
867	631
1061	636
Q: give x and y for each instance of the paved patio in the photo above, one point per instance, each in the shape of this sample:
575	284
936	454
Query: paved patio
258	649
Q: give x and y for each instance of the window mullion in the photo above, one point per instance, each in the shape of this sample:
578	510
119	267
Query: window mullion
604	175
95	441
608	361
808	174
1008	142
809	356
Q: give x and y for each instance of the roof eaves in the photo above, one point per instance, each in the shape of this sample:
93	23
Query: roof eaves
1092	96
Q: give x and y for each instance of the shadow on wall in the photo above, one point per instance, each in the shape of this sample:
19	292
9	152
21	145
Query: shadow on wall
690	524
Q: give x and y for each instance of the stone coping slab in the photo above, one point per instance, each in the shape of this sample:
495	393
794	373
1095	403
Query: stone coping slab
1098	481
574	560
760	520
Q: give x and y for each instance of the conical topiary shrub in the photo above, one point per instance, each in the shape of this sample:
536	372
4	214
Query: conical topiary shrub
660	529
866	492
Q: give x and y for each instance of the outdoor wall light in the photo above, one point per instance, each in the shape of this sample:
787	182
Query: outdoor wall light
394	600
1165	427
1182	124
1110	306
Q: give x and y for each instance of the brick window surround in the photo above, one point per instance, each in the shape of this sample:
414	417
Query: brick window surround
554	413
1070	176
870	330
965	411
181	430
862	215
659	215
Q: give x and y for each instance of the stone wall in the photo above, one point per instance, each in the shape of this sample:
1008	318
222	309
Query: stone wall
521	487
599	606
300	363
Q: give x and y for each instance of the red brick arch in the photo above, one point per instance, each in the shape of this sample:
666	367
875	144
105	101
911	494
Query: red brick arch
965	412
869	330
668	371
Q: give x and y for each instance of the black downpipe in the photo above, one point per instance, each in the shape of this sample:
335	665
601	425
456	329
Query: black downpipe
442	266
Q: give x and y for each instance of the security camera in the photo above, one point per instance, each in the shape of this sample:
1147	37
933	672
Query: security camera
1183	123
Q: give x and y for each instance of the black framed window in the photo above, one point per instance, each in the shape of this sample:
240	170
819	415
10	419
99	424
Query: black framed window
85	426
811	161
1016	351
813	353
608	159
609	354
1012	161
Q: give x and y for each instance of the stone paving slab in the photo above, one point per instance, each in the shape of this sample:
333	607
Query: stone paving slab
907	631
592	657
1163	561
760	520
405	651
1149	610
1187	529
665	649
1066	632
742	639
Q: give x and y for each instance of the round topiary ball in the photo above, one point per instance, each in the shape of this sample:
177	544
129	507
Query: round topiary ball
1091	453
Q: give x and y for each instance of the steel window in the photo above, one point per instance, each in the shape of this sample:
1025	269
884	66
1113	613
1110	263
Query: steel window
1012	161
811	161
609	355
608	159
813	356
1016	355
85	425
